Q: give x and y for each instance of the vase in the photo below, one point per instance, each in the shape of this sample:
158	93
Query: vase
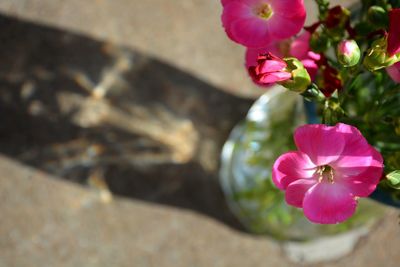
245	176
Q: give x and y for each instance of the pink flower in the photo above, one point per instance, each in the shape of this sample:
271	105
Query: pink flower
394	32
346	47
334	165
257	23
348	53
252	56
253	53
394	72
299	48
269	70
224	2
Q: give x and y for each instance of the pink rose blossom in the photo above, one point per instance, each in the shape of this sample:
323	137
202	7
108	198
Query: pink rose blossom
333	167
252	56
257	23
269	70
346	47
253	53
299	48
394	32
394	72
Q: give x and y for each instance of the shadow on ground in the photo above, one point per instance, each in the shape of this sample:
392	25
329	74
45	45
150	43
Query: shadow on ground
112	118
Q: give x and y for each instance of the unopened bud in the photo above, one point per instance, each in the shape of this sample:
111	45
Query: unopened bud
269	70
393	179
378	16
377	56
319	41
348	53
300	78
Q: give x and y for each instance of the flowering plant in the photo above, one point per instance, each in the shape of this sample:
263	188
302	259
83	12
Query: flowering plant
347	65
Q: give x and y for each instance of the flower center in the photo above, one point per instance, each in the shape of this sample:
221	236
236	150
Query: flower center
264	11
325	173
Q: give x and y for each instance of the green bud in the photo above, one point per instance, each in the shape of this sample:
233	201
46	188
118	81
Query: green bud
313	93
319	42
300	78
377	56
393	179
378	16
348	53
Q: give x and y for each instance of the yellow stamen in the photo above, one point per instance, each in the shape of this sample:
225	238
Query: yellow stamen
265	11
325	171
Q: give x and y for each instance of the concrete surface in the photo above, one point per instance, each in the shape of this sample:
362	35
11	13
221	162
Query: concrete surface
50	222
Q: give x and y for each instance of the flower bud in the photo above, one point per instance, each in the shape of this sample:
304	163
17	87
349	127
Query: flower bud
393	179
314	93
337	21
377	56
270	69
300	78
348	53
378	16
319	41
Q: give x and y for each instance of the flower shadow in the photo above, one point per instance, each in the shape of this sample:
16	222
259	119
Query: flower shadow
108	117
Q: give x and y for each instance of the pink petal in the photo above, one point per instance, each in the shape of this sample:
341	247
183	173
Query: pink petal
275	77
359	188
394	72
251	32
233	11
357	155
328	203
225	2
394	32
271	66
300	46
355	141
296	190
290	167
365	182
346	47
311	67
323	144
252	53
313	56
282	27
289	8
254	3
348	166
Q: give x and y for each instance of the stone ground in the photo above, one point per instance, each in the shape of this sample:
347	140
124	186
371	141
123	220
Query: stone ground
132	99
48	222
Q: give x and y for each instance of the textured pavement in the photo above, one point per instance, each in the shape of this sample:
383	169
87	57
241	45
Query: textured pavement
50	222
